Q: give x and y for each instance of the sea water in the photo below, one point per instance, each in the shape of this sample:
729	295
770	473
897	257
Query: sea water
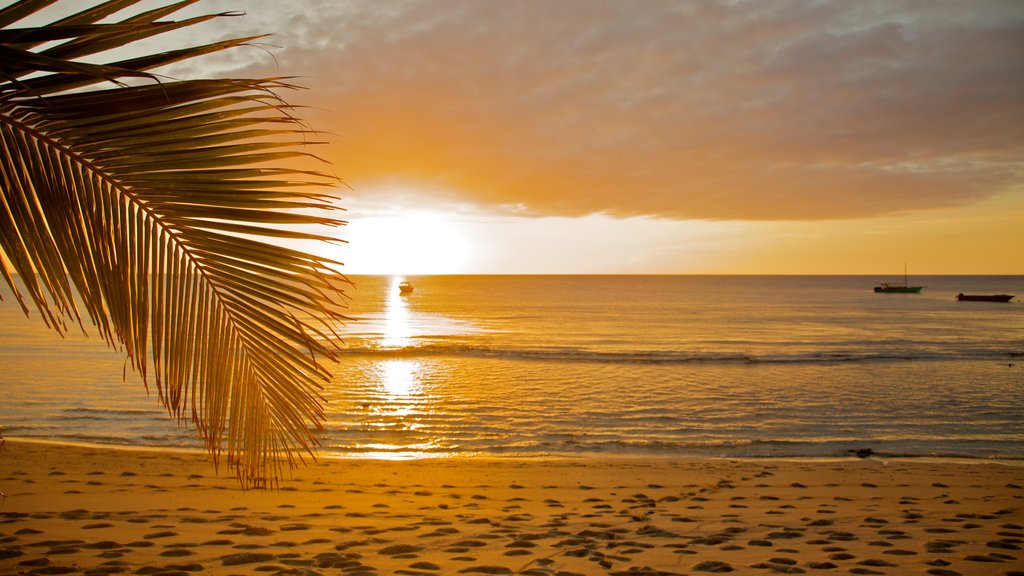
738	366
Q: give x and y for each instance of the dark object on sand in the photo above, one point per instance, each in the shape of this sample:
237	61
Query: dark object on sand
984	297
862	452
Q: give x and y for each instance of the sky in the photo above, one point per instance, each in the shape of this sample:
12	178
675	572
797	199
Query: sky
587	136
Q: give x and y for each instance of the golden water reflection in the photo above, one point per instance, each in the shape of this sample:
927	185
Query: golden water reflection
397	326
400	379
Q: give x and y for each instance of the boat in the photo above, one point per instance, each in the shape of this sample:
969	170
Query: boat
894	288
891	288
405	288
984	297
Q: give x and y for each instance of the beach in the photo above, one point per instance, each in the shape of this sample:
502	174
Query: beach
99	510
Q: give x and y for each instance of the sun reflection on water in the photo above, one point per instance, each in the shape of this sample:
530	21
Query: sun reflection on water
399	385
399	380
397	327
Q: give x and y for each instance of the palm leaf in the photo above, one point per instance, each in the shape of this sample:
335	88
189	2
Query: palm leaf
158	209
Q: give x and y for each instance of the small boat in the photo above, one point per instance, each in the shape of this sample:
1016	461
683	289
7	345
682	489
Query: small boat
894	288
890	288
405	288
984	297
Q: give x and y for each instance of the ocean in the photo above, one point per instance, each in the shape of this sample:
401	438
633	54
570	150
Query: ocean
720	366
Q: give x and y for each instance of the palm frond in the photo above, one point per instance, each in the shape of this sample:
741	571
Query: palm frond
161	207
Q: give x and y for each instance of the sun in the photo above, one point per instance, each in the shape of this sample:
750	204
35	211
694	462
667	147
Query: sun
410	243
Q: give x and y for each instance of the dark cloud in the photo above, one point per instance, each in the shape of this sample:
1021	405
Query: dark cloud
724	110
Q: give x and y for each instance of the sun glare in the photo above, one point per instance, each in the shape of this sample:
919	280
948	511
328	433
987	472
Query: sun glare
411	243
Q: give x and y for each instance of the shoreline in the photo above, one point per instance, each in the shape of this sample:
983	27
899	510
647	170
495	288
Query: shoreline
98	510
323	454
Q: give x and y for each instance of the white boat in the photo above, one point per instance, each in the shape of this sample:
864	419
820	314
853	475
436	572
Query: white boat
894	288
405	288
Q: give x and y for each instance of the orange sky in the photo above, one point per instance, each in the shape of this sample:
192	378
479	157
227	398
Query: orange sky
676	137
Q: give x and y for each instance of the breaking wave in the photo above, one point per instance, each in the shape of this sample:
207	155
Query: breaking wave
568	354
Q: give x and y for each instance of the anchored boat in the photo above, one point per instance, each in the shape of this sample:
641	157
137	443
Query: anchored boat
894	288
984	297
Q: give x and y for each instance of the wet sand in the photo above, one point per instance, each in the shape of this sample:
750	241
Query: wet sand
102	511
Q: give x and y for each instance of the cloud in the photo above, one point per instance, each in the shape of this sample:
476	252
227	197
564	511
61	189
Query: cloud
712	110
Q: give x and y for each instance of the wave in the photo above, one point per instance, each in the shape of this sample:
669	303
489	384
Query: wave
1005	450
112	439
567	354
941	448
112	411
103	415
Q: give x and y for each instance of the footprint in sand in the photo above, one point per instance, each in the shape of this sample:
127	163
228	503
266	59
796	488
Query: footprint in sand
486	570
62	550
440	532
241	558
714	566
189	567
101	545
399	550
177	553
900	552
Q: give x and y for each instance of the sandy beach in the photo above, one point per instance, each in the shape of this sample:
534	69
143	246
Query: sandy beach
72	509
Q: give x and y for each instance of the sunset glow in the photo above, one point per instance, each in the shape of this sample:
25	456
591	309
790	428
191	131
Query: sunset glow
407	243
706	137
